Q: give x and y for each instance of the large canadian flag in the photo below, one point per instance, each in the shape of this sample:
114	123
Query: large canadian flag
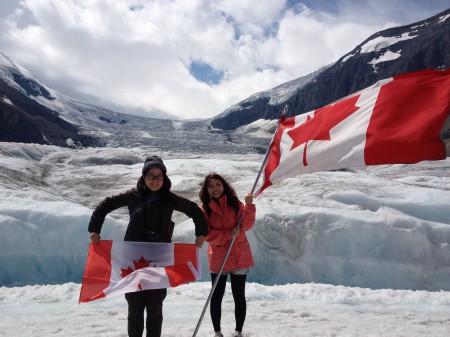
395	121
118	267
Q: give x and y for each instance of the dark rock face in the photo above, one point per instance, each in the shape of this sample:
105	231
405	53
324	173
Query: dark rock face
25	120
419	46
31	87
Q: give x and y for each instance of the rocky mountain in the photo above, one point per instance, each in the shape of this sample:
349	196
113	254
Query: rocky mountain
394	51
25	120
31	112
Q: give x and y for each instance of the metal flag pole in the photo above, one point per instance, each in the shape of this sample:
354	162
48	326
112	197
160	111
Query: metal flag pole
238	226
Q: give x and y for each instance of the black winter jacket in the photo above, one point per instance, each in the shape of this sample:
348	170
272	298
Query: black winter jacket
139	203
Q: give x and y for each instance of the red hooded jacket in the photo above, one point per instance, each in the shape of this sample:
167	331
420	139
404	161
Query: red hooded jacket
220	222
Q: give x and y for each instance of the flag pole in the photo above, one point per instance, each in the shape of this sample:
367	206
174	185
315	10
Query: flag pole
283	114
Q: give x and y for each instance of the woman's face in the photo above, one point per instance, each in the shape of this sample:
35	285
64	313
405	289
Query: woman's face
154	179
215	188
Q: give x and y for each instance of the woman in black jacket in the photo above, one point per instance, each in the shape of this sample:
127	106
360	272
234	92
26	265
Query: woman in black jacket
150	205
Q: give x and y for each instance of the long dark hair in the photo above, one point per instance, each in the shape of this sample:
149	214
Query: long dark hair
232	199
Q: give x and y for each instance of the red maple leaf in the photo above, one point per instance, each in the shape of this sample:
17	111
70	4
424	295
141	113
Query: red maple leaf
319	126
126	272
141	263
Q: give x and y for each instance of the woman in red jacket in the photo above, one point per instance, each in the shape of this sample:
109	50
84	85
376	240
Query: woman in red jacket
222	211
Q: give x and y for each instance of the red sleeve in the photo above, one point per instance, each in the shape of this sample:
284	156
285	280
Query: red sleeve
248	212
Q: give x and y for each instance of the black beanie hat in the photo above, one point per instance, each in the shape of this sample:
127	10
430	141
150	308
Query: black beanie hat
153	161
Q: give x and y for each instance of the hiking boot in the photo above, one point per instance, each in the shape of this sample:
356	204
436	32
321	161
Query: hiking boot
218	334
238	334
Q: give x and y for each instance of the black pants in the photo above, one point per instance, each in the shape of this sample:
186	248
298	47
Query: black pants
152	300
240	305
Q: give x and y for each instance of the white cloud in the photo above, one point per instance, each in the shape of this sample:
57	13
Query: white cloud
135	54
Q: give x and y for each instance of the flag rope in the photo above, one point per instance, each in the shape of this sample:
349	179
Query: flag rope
283	115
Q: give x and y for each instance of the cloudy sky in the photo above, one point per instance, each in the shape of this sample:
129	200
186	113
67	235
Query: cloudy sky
188	58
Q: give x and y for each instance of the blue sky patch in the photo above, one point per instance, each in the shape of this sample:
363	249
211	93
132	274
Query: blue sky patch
205	73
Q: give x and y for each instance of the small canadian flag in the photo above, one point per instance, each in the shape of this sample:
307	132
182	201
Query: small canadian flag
118	267
397	120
